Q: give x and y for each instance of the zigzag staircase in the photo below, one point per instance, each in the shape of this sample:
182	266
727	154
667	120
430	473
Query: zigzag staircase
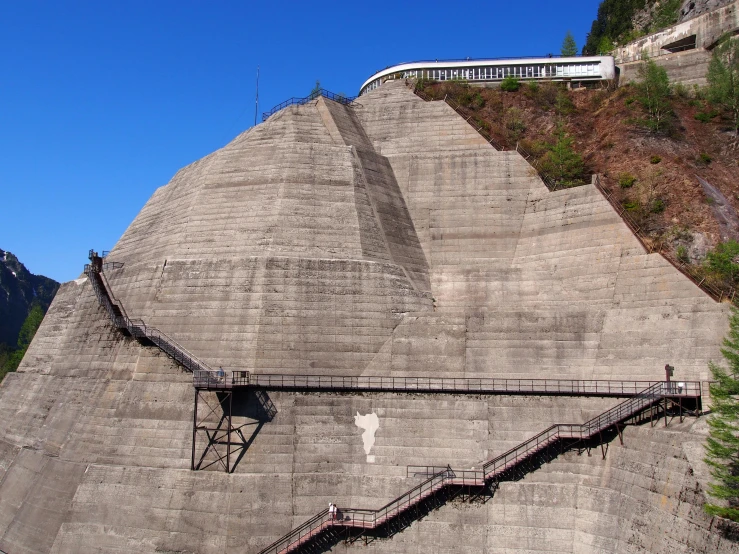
322	531
442	483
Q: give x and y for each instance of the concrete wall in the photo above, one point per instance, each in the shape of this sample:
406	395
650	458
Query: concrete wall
384	239
690	66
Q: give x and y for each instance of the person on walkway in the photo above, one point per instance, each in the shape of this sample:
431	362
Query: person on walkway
331	511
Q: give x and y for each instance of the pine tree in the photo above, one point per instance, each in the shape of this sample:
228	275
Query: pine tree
653	93
562	164
722	444
569	47
723	78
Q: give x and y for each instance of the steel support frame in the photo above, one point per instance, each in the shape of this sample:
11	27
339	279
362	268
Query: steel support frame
216	437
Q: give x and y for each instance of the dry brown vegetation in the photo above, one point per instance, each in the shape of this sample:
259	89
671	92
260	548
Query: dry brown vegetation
654	176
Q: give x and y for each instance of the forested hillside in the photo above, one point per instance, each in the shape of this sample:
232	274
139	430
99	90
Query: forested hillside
24	299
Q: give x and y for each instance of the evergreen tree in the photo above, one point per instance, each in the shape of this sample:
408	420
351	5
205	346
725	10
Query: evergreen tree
723	78
653	93
614	21
569	47
30	326
562	164
721	262
605	46
722	444
11	359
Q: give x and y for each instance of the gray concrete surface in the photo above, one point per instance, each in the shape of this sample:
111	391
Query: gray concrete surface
384	239
707	22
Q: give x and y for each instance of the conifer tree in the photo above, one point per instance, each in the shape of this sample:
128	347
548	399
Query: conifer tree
569	47
722	444
723	78
561	163
653	93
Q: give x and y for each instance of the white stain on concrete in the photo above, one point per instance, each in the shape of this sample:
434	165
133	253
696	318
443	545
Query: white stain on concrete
80	280
370	423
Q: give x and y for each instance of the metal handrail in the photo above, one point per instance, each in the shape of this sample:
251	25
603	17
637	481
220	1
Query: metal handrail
340	98
717	293
370	383
136	327
492	470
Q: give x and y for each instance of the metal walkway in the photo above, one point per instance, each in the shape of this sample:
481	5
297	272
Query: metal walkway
440	484
229	380
323	531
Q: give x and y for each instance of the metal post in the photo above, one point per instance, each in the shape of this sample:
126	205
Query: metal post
665	412
256	102
194	429
228	433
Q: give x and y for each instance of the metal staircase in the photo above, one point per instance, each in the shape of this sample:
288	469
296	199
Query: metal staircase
440	484
322	531
135	327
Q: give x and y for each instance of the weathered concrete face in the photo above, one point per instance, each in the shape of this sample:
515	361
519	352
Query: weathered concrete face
385	239
687	66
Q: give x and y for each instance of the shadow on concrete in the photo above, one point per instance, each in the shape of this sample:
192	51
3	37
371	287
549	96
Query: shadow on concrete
243	413
598	444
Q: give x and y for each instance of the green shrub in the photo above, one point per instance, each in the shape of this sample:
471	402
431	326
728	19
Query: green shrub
563	104
666	14
704	159
629	101
482	124
680	90
682	254
658	206
632	206
562	164
510	84
535	148
705	116
626	180
655	160
722	261
533	87
514	123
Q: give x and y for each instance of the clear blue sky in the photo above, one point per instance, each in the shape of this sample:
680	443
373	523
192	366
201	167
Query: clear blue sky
102	102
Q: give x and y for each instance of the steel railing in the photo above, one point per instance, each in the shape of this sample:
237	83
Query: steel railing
220	379
340	98
717	293
491	471
136	327
455	60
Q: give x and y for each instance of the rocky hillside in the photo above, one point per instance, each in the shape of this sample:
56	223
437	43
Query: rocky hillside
621	21
19	291
680	186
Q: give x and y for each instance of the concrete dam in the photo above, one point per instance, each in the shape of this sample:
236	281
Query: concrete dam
383	241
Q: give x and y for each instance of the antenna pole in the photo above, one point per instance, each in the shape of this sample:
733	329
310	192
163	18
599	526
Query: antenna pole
256	107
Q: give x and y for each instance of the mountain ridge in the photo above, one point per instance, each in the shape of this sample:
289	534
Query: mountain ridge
20	290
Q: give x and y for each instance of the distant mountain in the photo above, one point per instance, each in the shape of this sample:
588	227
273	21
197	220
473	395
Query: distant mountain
19	291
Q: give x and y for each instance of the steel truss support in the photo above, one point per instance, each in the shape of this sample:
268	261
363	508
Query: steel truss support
222	440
